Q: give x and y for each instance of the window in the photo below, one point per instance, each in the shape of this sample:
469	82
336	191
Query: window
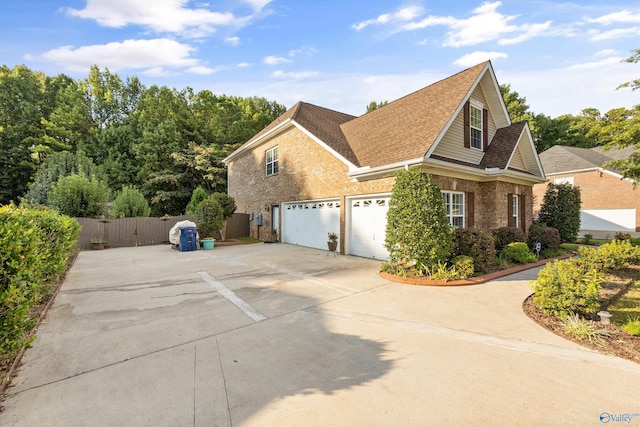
454	205
515	220
475	116
564	180
271	161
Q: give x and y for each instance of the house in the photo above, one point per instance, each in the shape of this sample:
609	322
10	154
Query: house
610	202
315	170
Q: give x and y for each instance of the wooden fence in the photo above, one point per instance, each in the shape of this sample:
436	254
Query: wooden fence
128	232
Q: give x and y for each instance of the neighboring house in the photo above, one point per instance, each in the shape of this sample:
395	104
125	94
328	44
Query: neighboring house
610	202
314	170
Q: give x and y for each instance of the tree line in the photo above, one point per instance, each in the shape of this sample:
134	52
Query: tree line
163	142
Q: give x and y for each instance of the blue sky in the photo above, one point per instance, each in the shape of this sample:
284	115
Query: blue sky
562	56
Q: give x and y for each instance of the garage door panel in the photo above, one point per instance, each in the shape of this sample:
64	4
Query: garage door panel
368	227
308	223
608	219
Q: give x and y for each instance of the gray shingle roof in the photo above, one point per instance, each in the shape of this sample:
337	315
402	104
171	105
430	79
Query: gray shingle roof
560	158
502	145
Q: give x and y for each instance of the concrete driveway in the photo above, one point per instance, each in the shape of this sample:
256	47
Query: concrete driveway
279	335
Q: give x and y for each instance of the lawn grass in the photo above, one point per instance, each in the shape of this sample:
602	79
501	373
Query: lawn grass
627	307
248	240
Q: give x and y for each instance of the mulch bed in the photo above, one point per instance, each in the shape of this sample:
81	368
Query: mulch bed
620	343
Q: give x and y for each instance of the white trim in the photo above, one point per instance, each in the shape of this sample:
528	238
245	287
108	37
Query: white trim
616	175
251	144
274	161
464	207
573	171
378	171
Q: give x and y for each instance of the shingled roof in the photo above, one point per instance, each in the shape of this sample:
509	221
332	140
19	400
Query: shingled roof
560	158
406	128
502	146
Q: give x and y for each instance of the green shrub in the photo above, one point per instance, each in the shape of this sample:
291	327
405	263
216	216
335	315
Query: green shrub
130	203
476	244
504	235
611	256
418	228
34	247
632	326
548	237
226	202
635	241
564	288
517	252
79	196
622	236
587	239
208	216
198	195
464	265
561	210
584	330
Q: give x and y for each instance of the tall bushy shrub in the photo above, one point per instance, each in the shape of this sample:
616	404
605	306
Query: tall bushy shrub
226	202
561	210
198	195
609	257
418	228
477	244
548	237
564	288
208	216
504	235
79	196
130	203
34	247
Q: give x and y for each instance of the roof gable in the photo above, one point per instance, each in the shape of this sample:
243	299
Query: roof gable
561	158
408	127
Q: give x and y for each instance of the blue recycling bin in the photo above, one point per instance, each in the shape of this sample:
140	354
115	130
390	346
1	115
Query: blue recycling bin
188	239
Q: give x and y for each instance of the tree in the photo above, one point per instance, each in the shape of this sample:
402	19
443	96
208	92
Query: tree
56	166
130	203
418	228
561	210
373	105
227	203
78	196
633	59
198	195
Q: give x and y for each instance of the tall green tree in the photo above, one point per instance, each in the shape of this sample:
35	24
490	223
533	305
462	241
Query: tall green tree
373	105
561	210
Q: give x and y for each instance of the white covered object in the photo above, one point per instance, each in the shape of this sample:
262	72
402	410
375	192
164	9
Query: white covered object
174	233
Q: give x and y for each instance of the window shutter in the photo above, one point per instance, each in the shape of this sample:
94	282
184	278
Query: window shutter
470	210
510	210
485	129
521	214
467	126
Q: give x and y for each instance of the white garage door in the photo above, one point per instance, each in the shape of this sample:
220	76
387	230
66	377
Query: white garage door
608	219
367	227
308	223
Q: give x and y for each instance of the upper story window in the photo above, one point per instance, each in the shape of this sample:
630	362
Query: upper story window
475	121
454	205
271	161
564	180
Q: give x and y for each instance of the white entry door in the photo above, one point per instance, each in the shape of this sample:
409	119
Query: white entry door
308	223
367	226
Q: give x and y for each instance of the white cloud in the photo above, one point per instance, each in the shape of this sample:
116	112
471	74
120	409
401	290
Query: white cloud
475	58
129	54
155	72
624	16
614	34
244	65
233	41
275	60
258	4
485	24
293	75
606	52
403	14
167	16
200	69
304	50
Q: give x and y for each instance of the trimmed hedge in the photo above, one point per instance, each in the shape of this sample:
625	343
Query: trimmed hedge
504	235
35	244
548	237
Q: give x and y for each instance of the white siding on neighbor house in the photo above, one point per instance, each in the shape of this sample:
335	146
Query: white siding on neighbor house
452	143
608	219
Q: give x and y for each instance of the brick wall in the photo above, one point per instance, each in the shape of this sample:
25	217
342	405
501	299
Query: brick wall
597	191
